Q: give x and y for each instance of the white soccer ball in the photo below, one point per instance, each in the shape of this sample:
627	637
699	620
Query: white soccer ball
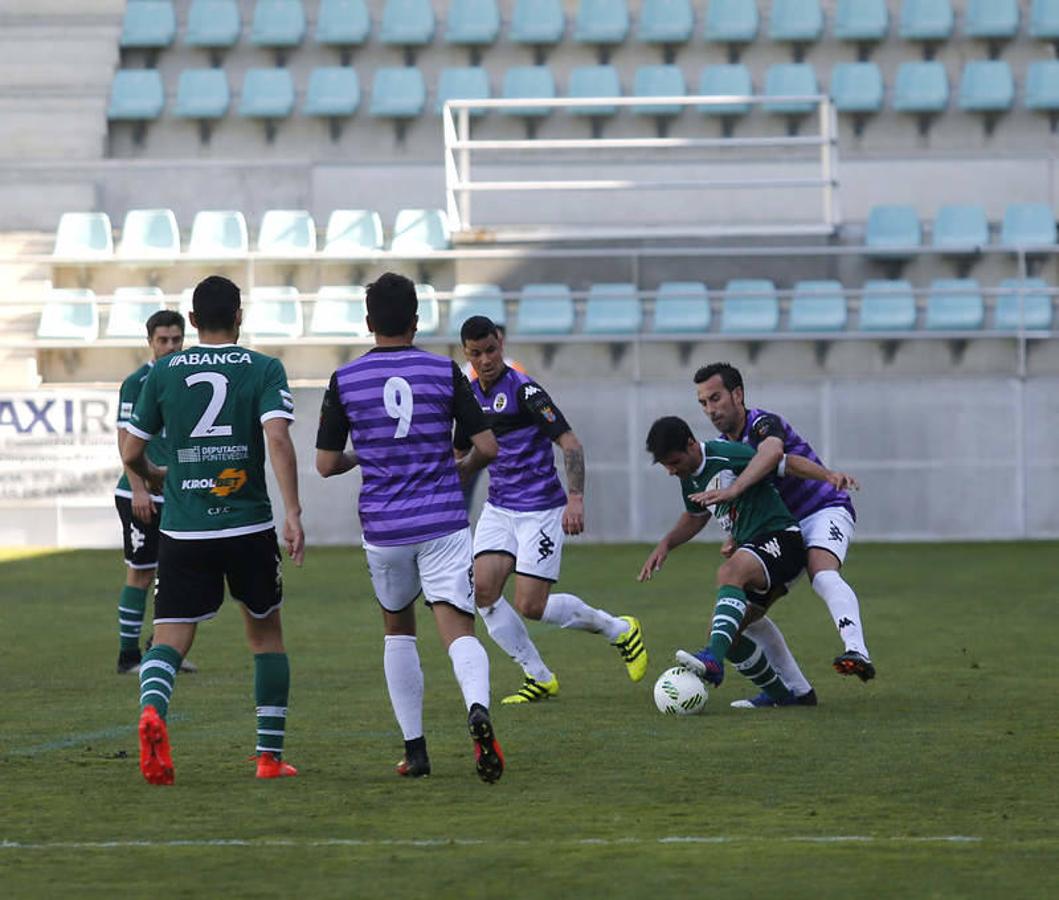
680	692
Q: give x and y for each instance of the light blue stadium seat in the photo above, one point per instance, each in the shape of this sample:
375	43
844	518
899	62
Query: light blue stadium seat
274	312
474	23
928	21
537	22
726	80
1023	303
749	305
149	233
682	307
665	22
594	81
429	310
84	235
352	232
407	23
339	311
342	23
960	228
790	80
1042	88
658	81
333	91
954	304
131	309
818	306
731	22
218	233
1044	20
148	25
893	231
213	24
992	20
524	82
921	87
857	87
601	22
613	308
796	22
545	309
470	83
475	300
420	231
69	314
286	232
267	94
398	92
861	21
986	86
136	95
887	306
1027	224
202	94
278	23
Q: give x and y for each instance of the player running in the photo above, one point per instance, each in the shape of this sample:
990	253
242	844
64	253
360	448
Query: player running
398	403
526	516
219	404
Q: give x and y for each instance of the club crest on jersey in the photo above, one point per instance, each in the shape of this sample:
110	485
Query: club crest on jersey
500	403
549	414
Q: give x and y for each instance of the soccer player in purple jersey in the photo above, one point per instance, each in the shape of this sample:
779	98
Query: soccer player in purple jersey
526	516
398	404
824	510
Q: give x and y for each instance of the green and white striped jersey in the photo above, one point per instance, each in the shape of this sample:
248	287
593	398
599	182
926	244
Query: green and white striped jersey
127	396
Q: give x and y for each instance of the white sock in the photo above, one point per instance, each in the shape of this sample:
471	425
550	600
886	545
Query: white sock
505	626
404	679
568	611
767	635
470	663
845	610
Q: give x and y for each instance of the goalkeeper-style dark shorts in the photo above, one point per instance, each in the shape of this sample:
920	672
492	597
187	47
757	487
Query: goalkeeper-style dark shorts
140	539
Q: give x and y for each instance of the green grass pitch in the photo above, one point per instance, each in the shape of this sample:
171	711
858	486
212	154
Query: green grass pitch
938	779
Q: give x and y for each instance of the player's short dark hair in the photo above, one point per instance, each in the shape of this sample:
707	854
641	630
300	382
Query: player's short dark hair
478	328
668	435
215	302
730	376
392	304
164	318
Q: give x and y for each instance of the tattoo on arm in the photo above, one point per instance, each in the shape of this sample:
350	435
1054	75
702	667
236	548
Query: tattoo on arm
575	470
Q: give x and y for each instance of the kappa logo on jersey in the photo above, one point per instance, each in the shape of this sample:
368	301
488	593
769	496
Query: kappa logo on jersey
772	548
228	481
500	403
546	547
836	533
531	390
136	537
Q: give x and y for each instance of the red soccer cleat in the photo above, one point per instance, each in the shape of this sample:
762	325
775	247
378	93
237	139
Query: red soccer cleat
271	766
488	757
156	760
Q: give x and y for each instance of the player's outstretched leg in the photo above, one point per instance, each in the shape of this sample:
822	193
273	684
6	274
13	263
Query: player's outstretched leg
728	615
488	757
704	664
631	647
271	690
533	691
506	628
569	611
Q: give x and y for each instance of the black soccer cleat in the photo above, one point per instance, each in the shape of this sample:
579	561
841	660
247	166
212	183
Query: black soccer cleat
488	757
129	662
853	663
416	763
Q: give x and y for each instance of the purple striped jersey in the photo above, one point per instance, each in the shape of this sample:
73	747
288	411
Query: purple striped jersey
802	497
525	421
398	405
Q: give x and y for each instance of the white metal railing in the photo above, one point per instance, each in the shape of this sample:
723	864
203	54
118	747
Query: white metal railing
460	184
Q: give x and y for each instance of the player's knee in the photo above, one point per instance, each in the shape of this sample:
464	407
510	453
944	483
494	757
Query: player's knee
139	578
531	607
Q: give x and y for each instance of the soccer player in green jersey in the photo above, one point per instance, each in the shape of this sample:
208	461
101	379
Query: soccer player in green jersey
770	553
137	507
219	404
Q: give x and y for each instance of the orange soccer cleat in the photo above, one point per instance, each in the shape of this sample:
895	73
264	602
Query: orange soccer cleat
156	759
271	766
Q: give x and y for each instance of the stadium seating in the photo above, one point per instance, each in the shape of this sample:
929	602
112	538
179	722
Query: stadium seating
398	93
84	235
333	93
749	305
420	231
273	312
69	314
475	300
213	25
887	306
1044	20
545	309
863	22
286	232
926	21
594	81
343	24
790	80
148	25
278	25
666	23
731	22
921	89
217	233
352	232
726	80
988	87
149	234
1023	304
474	24
538	24
681	307
602	23
429	313
796	22
339	311
994	21
525	82
892	231
857	90
818	306
131	309
954	304
202	94
960	229
613	308
1042	88
658	81
408	24
1028	225
136	95
470	83
268	94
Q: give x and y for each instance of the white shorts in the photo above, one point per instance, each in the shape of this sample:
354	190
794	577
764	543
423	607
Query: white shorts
831	529
534	539
442	568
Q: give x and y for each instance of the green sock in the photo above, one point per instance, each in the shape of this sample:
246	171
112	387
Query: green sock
751	661
158	671
727	617
131	604
271	687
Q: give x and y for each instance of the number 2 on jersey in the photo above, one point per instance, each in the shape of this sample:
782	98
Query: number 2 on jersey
397	398
206	427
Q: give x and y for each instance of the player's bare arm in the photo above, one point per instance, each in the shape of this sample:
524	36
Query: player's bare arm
484	450
335	462
285	465
686	528
574	463
143	507
766	458
802	467
134	458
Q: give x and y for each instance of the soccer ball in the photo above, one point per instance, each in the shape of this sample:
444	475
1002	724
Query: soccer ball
680	692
